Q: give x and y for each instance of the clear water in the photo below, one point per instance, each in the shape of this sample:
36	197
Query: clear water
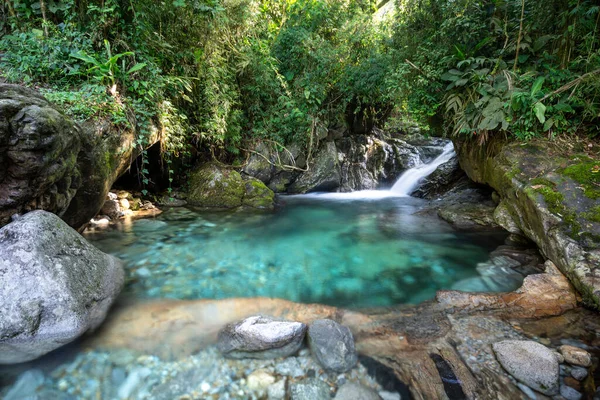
343	252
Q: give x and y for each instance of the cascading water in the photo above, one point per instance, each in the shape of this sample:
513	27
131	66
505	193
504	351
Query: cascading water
409	180
404	186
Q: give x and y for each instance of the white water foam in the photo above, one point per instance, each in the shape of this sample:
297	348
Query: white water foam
404	186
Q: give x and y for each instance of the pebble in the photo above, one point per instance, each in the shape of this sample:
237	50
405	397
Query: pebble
385	395
26	386
355	391
569	393
289	367
528	391
277	390
579	373
576	356
309	389
260	380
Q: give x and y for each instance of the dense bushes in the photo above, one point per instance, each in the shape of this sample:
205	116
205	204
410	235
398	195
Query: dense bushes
237	70
222	73
524	67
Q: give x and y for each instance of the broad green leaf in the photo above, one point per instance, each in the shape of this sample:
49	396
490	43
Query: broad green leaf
549	124
540	111
136	67
537	85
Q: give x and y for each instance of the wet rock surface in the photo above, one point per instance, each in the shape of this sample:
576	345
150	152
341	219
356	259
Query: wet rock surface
332	344
261	337
551	196
54	286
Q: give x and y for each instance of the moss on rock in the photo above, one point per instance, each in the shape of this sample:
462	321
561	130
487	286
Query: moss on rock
214	186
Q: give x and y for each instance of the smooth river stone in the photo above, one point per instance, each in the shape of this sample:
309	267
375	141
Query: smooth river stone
261	337
333	345
531	363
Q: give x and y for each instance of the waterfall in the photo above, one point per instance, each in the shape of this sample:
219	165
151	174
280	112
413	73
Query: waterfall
410	179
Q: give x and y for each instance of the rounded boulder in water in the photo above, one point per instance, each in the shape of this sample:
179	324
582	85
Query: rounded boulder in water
332	345
261	337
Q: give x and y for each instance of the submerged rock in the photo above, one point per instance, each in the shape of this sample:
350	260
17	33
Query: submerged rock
261	337
214	186
309	389
333	345
531	363
54	286
576	356
354	391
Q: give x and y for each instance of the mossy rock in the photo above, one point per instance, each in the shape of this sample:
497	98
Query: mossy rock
257	195
552	196
215	186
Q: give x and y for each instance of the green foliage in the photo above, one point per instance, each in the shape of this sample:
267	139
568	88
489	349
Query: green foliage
461	59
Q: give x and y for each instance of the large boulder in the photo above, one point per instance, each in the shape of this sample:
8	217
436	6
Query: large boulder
54	286
323	173
261	337
51	163
531	363
38	154
215	186
550	194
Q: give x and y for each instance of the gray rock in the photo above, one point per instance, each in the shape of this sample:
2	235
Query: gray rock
504	218
528	391
569	393
112	208
261	337
26	386
277	390
54	286
333	345
354	391
309	389
440	181
289	367
323	173
385	395
576	356
579	373
212	185
529	362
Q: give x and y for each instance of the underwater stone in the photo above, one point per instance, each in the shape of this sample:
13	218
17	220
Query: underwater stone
333	345
576	356
529	362
354	391
261	337
309	389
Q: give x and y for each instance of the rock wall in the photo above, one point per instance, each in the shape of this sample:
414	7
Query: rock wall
39	151
48	162
550	197
344	163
